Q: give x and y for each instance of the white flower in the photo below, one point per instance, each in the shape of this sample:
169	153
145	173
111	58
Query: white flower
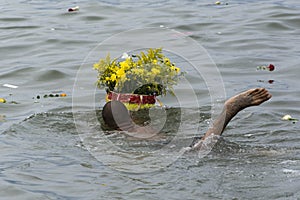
289	118
125	56
286	117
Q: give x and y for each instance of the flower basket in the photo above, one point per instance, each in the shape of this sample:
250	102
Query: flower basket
137	80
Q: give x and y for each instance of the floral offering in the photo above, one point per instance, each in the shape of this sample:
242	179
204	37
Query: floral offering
270	67
137	79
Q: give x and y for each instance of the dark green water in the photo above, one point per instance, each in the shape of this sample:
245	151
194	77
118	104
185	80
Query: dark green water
54	148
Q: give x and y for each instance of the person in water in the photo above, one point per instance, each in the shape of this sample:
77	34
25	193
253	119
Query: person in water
117	117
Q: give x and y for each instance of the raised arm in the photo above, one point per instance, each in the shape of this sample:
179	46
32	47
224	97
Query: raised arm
232	106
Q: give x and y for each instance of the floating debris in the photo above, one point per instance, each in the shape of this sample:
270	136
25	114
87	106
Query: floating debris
76	8
2	100
286	117
269	81
219	3
289	118
87	165
51	95
10	86
2	118
271	67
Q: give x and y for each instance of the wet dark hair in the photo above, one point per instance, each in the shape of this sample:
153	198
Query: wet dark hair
116	116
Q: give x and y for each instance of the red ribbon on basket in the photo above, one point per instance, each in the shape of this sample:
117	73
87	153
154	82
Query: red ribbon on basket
131	98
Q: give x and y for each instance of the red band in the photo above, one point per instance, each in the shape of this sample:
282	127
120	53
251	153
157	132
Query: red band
131	98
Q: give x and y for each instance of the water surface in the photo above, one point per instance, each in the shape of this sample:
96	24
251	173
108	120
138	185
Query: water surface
42	154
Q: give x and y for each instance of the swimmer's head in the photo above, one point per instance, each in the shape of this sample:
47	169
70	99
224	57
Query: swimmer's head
116	116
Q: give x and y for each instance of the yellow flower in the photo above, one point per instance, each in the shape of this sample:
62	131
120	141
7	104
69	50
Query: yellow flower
120	72
150	68
173	68
167	60
124	65
113	77
96	66
155	71
138	72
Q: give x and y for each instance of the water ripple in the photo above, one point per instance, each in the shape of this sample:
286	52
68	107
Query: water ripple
13	19
42	46
20	27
